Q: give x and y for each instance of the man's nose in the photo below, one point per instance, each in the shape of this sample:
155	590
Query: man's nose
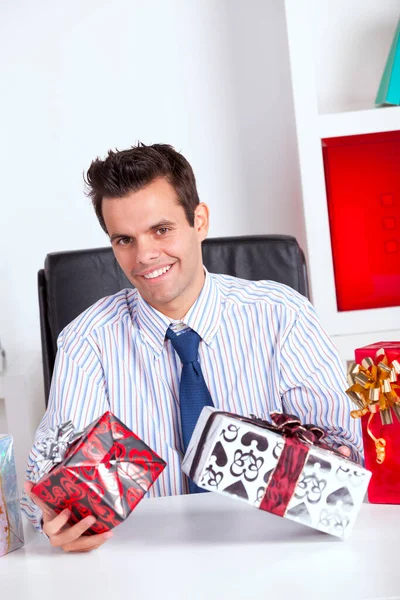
146	251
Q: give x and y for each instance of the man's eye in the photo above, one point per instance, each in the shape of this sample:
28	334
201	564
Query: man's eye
124	241
162	231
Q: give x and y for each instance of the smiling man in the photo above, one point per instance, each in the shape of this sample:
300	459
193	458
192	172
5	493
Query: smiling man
156	247
255	347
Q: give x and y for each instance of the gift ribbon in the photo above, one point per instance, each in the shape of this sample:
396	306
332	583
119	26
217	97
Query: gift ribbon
298	441
372	389
54	447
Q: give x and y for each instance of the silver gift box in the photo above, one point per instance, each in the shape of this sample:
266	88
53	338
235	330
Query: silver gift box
232	456
11	531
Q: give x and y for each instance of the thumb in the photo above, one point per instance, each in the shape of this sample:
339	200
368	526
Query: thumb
345	451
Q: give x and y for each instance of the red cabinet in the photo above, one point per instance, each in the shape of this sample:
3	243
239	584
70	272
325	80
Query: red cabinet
362	175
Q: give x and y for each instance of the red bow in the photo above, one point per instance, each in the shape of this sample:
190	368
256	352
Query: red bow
291	426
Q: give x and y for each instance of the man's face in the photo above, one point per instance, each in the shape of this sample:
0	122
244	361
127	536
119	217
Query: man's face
155	246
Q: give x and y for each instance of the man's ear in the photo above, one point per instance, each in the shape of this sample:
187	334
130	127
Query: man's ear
201	220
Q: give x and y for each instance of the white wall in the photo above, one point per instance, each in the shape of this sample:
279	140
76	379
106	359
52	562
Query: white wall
352	41
210	77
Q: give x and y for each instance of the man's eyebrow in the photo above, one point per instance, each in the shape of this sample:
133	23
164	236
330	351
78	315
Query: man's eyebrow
163	223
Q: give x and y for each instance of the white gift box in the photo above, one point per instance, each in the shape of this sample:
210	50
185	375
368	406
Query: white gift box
251	460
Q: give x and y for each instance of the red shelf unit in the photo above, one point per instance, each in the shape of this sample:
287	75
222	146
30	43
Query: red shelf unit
362	174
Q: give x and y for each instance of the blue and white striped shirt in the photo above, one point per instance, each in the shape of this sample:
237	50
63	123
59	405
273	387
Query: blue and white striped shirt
263	349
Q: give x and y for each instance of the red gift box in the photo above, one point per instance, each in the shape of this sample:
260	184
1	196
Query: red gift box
105	472
384	487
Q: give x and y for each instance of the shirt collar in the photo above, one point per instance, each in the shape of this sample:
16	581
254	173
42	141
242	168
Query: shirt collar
204	317
205	314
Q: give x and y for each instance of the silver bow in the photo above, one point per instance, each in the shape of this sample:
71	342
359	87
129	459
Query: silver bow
53	448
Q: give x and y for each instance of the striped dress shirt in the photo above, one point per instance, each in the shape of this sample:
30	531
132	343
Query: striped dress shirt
262	350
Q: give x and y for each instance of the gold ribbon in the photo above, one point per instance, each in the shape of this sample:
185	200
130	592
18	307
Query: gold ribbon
372	389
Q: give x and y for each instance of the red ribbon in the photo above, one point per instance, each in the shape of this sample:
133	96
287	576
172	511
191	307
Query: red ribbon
298	441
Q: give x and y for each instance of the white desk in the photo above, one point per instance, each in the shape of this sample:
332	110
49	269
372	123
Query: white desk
208	547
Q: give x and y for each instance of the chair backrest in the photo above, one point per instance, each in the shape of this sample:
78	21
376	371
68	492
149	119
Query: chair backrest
71	281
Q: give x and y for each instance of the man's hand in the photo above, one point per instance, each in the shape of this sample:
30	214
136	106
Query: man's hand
69	538
345	451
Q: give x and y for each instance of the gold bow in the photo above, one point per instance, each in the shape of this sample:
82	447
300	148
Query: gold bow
372	389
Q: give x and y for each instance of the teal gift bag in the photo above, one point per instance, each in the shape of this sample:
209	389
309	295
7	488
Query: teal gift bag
389	89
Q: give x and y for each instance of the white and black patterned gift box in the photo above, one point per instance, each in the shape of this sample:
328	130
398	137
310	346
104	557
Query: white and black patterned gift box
244	458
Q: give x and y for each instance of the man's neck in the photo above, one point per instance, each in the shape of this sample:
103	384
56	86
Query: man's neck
178	310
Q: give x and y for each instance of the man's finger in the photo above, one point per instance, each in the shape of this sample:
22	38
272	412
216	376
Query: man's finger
54	526
345	451
86	543
48	513
73	533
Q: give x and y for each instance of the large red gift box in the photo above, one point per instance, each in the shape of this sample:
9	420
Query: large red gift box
384	487
105	472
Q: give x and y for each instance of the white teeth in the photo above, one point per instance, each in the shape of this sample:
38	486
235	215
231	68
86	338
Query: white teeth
157	273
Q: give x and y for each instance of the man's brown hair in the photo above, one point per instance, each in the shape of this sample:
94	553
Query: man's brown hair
130	170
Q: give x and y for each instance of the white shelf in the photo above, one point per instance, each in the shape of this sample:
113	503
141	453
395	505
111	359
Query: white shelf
321	37
375	120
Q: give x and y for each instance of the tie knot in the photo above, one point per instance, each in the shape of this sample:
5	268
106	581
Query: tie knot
186	345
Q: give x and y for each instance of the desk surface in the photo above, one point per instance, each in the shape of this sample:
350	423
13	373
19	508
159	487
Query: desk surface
209	547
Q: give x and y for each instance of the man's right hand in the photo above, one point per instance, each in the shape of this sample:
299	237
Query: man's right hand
68	537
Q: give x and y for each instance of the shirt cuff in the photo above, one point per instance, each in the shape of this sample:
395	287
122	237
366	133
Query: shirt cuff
32	512
336	443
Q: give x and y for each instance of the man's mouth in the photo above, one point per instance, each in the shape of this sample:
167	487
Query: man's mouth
157	273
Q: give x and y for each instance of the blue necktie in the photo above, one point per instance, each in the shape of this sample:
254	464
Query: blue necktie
193	391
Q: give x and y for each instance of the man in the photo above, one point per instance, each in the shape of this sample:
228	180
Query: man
259	347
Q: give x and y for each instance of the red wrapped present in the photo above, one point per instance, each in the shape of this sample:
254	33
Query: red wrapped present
375	388
103	471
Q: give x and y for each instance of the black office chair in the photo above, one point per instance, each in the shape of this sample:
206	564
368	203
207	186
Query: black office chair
71	281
